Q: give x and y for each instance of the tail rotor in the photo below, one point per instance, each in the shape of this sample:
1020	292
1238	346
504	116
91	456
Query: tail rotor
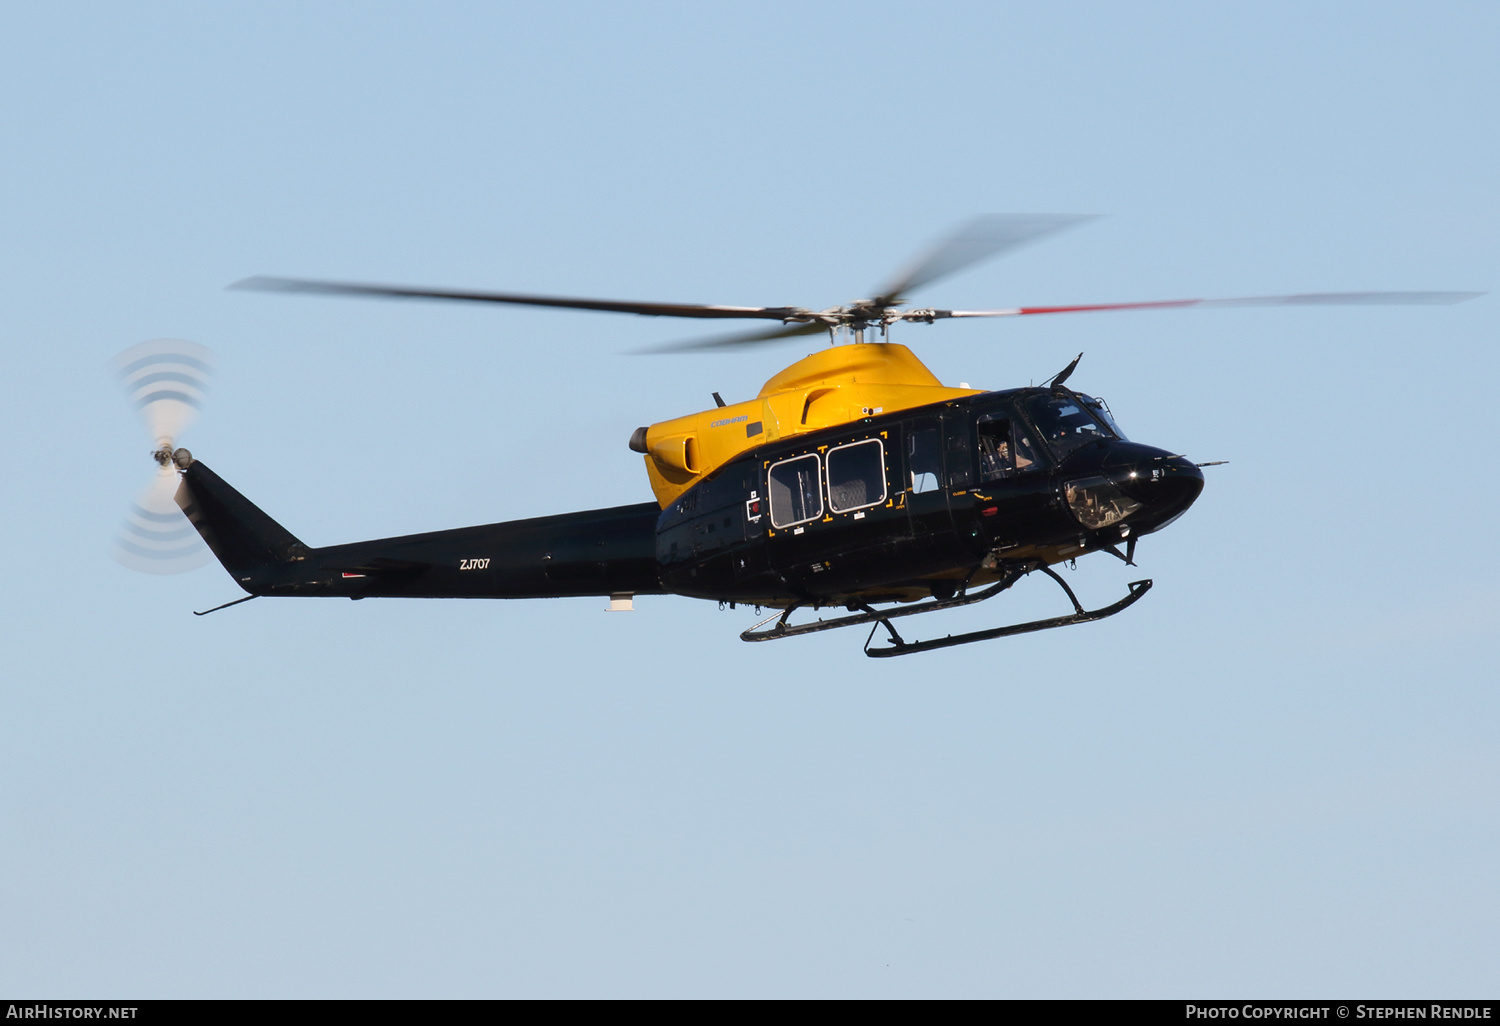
166	380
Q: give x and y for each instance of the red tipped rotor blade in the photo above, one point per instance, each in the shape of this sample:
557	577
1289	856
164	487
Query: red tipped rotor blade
1303	299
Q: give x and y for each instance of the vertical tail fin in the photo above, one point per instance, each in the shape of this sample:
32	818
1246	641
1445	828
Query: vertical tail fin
251	545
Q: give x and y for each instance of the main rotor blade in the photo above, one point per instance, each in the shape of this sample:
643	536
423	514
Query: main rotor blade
733	341
1303	299
339	288
974	241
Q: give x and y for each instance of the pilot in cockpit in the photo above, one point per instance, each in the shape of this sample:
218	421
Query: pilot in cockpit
1002	454
994	449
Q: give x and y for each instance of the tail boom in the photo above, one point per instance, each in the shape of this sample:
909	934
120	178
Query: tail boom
596	552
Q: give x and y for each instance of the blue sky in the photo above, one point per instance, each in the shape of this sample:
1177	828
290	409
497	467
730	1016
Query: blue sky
1274	776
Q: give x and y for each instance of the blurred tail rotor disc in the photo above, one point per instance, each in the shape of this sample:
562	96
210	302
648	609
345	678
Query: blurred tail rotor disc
156	538
166	380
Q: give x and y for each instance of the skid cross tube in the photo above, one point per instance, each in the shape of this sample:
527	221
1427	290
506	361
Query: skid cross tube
900	646
782	629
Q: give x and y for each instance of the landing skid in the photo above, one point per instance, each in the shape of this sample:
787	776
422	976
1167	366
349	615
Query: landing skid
899	646
782	628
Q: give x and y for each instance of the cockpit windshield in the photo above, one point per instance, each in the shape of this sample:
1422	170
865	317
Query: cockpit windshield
1067	422
1100	409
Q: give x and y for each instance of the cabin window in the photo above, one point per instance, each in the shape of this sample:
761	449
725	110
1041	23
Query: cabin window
924	461
1005	448
996	457
856	476
960	470
794	489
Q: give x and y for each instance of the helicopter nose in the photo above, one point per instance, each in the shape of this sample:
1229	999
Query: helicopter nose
1165	485
1131	488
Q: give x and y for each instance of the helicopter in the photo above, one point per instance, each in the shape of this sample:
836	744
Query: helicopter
854	482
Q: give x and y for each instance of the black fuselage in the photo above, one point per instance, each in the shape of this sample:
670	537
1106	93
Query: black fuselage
893	506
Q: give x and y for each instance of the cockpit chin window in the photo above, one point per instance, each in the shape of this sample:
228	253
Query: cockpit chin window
1098	503
1067	423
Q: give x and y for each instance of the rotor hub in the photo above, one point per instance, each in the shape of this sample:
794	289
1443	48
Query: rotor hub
166	456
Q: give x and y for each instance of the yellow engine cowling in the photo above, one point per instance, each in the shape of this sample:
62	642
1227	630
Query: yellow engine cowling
675	452
835	386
